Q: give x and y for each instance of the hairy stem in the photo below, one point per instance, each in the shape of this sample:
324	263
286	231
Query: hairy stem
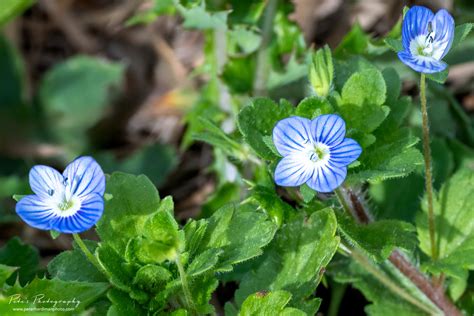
88	254
436	295
385	280
428	171
184	283
261	71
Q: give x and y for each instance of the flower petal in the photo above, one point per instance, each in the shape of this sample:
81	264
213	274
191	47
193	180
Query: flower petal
84	176
90	212
327	178
422	64
328	129
443	27
345	153
46	182
293	170
36	212
292	135
415	23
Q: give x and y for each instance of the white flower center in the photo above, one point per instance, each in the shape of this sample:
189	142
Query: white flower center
424	45
319	153
63	202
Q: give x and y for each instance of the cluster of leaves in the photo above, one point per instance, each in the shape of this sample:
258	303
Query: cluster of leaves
277	244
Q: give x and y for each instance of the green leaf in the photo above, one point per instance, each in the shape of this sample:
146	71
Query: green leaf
367	86
394	44
9	9
460	33
244	39
269	303
17	254
62	94
271	203
123	304
355	42
380	238
73	265
313	107
54	234
196	17
5	273
158	242
120	273
214	135
439	77
454	225
152	278
135	199
294	260
194	232
321	72
74	295
393	83
204	262
258	119
240	232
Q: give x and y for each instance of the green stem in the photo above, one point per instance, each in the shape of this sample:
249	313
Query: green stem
184	283
385	280
428	169
261	70
337	295
88	254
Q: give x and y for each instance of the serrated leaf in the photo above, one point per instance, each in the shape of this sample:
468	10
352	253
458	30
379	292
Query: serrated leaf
15	253
135	198
269	303
258	119
367	86
152	278
5	273
380	238
293	261
73	265
271	203
454	224
196	17
313	107
204	262
240	232
123	304
120	273
394	44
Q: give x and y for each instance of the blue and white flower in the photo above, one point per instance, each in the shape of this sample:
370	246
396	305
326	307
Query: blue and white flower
314	152
426	39
71	202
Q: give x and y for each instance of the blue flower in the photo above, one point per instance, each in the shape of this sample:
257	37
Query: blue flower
426	39
314	152
71	202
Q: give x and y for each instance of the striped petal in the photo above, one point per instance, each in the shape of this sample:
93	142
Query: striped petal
46	182
443	27
91	210
415	23
328	129
36	212
293	170
292	135
327	178
427	65
84	176
344	153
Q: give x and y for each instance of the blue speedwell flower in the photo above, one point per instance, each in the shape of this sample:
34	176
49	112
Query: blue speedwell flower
71	202
314	152
426	39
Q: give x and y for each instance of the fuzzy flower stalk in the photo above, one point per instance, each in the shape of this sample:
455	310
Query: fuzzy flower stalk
426	39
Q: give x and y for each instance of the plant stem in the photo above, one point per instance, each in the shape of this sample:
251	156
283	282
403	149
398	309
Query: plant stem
337	295
385	280
401	263
88	254
428	171
184	283
261	70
